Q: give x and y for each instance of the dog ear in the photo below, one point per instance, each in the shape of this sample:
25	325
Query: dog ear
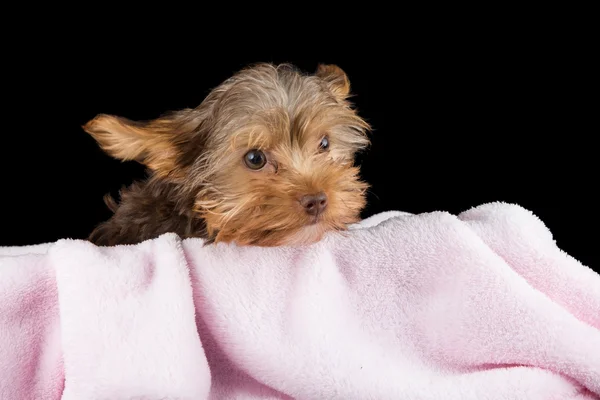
336	79
158	143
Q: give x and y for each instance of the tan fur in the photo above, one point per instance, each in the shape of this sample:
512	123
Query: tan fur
336	79
272	108
151	143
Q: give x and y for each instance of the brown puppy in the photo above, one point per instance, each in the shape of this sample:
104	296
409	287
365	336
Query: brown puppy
266	159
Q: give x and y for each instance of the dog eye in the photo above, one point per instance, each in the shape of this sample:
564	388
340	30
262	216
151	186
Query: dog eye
255	159
324	145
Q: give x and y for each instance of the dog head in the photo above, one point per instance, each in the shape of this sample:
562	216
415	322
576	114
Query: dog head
268	156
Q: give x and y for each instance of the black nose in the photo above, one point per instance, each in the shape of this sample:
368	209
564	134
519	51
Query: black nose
314	204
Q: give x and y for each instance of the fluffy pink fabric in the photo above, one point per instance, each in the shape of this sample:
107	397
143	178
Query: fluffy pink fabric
482	305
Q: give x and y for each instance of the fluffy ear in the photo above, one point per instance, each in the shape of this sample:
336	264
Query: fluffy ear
157	144
336	79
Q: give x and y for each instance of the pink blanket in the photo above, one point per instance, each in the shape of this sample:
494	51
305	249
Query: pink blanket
478	306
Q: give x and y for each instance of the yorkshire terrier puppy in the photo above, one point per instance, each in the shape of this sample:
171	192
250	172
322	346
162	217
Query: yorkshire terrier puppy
267	159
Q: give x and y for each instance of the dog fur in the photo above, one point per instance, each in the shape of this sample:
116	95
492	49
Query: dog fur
200	183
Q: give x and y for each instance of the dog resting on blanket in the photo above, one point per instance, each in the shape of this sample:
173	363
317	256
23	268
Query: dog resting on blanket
479	306
266	159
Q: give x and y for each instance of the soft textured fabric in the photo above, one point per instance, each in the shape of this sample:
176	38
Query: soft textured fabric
482	305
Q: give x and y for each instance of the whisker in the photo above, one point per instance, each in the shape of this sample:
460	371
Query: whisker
371	192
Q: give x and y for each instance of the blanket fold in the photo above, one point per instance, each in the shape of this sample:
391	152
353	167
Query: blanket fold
480	305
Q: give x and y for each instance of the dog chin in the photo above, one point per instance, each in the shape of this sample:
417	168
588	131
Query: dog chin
306	235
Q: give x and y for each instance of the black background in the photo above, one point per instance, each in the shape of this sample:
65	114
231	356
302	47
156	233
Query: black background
461	117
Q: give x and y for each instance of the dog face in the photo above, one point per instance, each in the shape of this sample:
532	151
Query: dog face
268	156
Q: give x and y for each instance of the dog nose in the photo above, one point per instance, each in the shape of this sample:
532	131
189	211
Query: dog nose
314	204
